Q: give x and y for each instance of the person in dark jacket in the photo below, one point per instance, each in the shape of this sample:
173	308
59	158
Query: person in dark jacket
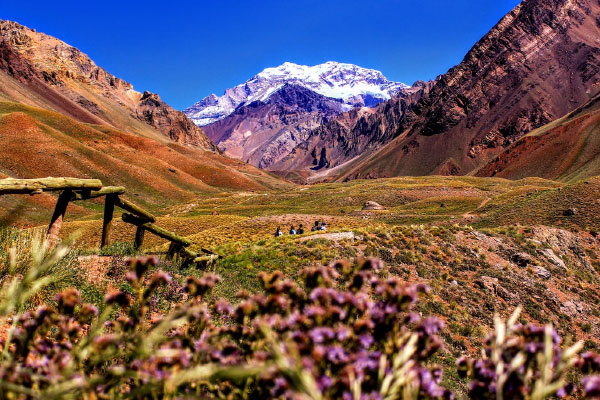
278	232
315	227
300	230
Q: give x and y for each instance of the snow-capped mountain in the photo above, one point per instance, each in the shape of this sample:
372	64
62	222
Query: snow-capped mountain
354	85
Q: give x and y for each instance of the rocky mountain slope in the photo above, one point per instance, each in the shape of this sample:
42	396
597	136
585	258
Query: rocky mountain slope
61	115
68	81
538	63
348	136
263	132
354	85
568	148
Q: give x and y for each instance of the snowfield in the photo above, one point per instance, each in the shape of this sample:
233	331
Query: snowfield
356	86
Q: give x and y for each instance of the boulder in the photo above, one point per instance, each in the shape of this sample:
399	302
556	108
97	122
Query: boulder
521	259
572	308
488	283
570	212
542	272
507	296
551	256
372	206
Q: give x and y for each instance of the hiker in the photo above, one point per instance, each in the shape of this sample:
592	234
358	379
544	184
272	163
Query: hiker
292	230
278	232
323	226
315	227
300	230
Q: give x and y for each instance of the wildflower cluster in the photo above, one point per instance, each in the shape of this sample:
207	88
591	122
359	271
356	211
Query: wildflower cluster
345	331
521	362
349	333
70	350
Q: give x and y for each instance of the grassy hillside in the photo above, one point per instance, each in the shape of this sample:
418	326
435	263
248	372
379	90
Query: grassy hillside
483	246
39	143
213	219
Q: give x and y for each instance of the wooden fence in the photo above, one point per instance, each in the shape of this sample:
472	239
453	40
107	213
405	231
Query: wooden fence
74	189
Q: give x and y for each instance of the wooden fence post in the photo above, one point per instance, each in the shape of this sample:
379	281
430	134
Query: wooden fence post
173	252
109	209
58	216
139	237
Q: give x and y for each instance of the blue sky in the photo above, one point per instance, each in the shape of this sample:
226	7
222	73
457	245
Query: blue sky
185	50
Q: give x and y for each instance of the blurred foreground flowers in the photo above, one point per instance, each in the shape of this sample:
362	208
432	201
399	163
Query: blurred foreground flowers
344	333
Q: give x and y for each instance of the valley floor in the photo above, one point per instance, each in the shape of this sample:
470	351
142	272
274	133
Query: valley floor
484	246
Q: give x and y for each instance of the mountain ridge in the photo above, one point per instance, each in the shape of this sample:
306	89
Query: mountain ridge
88	92
62	115
263	132
355	85
537	64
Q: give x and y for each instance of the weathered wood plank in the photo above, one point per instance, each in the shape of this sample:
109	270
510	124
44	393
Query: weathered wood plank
139	237
109	210
58	217
157	230
105	191
34	186
135	209
187	253
174	250
193	255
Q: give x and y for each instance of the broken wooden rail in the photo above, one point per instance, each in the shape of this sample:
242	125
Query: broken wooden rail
75	189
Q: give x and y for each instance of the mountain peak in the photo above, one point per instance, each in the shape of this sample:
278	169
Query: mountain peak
354	85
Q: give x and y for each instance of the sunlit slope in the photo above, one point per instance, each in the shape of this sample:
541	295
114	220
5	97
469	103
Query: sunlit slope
567	149
37	142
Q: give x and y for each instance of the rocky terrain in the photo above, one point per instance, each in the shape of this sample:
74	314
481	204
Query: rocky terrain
353	134
567	148
354	85
264	132
539	63
66	80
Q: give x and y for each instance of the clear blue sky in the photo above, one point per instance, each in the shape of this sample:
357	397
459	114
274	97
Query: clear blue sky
185	50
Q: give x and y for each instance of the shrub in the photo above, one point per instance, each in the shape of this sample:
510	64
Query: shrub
346	332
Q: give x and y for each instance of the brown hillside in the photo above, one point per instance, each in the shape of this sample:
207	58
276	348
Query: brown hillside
567	149
538	63
62	78
38	143
61	115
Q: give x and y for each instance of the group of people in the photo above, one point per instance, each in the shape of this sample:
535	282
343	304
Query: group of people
318	226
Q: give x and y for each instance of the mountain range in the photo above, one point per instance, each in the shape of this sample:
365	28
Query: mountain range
354	85
539	63
62	115
262	120
523	102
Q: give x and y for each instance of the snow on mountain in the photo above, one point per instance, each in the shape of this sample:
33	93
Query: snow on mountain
354	85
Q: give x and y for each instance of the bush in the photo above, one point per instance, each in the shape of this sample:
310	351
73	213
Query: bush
345	333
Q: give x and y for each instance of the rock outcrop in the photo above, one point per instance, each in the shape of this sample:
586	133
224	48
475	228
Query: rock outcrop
264	132
540	62
70	82
373	206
